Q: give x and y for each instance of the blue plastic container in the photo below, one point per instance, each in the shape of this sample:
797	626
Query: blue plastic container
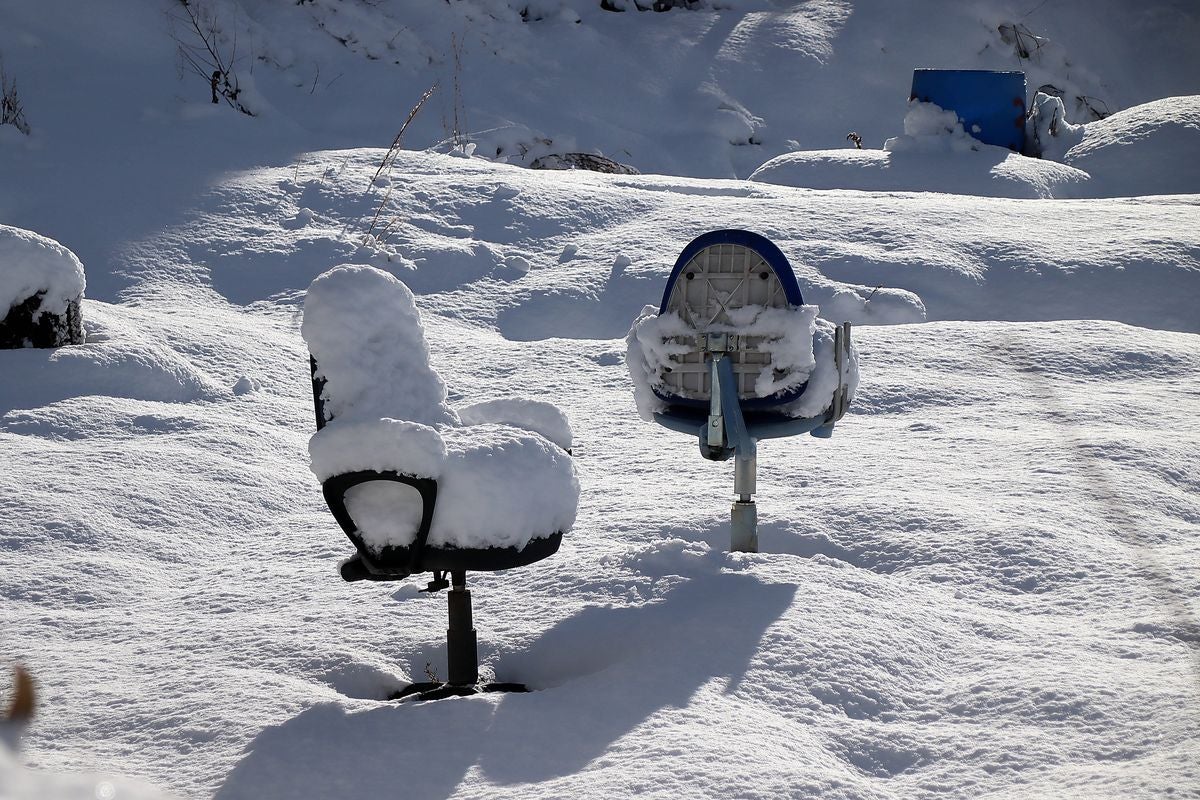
986	99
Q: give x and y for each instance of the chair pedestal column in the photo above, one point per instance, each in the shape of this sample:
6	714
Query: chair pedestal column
743	517
462	654
743	527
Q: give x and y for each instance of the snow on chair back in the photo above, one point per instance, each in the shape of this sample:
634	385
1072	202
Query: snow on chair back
369	356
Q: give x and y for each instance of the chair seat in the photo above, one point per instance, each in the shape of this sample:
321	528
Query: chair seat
400	562
482	493
501	487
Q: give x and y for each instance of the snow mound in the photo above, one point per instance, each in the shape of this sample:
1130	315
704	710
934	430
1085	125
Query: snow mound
1144	150
18	782
988	172
31	263
930	128
120	359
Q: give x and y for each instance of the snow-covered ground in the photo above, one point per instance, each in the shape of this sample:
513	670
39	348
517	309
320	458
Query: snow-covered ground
987	582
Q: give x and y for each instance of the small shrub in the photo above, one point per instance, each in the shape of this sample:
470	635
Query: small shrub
198	42
11	110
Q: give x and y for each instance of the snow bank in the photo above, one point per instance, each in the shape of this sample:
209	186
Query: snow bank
987	172
120	359
799	345
31	263
935	154
1144	150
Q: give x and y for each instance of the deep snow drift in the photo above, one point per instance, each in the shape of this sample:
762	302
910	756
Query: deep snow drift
985	583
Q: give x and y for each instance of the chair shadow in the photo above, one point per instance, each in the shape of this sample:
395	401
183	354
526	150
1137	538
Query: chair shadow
596	676
416	750
604	671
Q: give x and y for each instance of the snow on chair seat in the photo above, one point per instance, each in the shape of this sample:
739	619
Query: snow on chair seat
415	485
732	355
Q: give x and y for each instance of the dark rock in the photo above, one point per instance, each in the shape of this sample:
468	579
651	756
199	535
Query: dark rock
582	161
24	326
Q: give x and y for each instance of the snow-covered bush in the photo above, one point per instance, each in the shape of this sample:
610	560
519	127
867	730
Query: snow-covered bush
41	285
537	10
666	5
1049	65
1047	132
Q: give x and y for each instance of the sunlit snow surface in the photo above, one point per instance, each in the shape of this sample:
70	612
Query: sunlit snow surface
986	583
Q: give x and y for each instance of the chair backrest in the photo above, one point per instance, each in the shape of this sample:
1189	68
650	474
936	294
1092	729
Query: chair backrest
736	284
369	356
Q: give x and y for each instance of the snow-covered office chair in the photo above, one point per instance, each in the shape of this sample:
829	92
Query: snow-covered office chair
416	485
732	355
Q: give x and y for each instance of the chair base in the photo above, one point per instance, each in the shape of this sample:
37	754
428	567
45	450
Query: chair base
420	692
462	652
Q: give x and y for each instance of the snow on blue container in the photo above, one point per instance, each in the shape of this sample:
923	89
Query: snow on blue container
992	101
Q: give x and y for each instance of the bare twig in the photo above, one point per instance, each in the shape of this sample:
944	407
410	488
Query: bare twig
395	148
11	110
390	157
200	52
456	46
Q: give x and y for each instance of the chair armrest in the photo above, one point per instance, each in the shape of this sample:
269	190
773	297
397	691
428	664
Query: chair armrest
335	489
